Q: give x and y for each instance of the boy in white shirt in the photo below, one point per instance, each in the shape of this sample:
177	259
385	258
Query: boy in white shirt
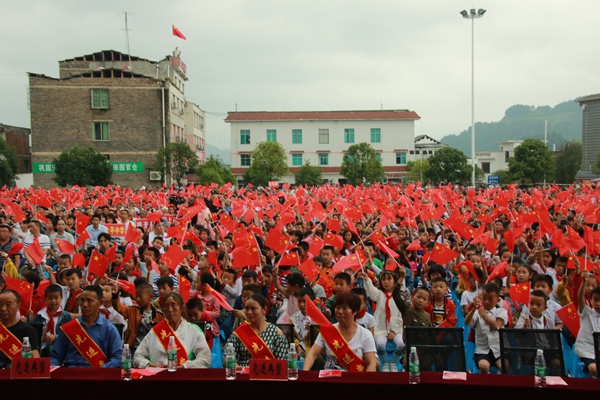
487	317
589	323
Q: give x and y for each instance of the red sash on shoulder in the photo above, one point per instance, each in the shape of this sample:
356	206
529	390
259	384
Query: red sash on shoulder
163	331
257	348
9	344
84	344
344	354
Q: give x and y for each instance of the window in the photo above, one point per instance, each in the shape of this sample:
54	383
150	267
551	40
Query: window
101	131
245	136
417	151
375	135
271	135
100	99
323	136
485	166
348	135
412	152
401	158
297	160
323	158
245	160
378	155
506	156
297	136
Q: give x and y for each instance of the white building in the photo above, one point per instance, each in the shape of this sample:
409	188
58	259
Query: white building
322	137
492	161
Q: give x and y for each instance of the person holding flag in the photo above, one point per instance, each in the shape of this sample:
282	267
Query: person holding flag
589	324
192	349
12	330
257	338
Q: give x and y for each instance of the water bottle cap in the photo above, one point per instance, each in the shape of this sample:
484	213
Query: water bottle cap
292	347
413	349
540	352
126	346
26	339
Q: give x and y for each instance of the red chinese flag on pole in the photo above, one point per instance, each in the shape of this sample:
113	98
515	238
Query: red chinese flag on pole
569	316
316	245
78	260
334	240
351	261
277	241
127	286
82	238
289	260
154	266
16	247
35	251
500	270
24	288
177	32
64	246
184	288
309	269
245	256
387	250
442	254
174	256
128	255
415	245
315	314
98	263
132	235
83	220
111	253
219	297
520	292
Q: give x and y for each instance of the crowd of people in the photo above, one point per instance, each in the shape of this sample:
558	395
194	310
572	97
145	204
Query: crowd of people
347	269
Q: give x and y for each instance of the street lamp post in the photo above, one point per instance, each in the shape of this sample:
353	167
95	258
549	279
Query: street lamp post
472	15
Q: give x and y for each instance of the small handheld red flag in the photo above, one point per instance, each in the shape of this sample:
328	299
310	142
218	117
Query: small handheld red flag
98	263
520	292
184	288
35	251
569	316
220	298
64	246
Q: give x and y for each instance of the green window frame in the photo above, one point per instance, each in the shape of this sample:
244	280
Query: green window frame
297	136
100	99
244	136
271	135
101	131
297	160
375	135
245	160
401	158
348	135
323	158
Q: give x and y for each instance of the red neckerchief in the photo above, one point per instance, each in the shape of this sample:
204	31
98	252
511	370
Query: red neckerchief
361	313
388	311
105	312
50	325
73	299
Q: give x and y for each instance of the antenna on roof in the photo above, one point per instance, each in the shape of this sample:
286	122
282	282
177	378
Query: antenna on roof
127	37
381	104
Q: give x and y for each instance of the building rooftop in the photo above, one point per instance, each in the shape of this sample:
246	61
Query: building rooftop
592	97
106	55
322	115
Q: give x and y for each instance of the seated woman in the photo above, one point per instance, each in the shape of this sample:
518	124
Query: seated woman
348	345
193	351
257	338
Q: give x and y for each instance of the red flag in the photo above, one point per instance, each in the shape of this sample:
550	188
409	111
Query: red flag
177	32
277	241
41	217
35	251
220	298
127	286
309	269
132	235
334	240
415	245
82	238
350	261
351	227
184	288
442	254
174	256
245	256
569	316
15	248
78	261
500	270
333	225
316	245
97	264
42	286
509	237
111	253
289	260
213	258
315	314
128	255
177	232
155	216
387	250
64	246
520	292
83	220
154	266
24	288
228	223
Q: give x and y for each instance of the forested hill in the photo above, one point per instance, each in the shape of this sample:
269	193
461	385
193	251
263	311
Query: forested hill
523	122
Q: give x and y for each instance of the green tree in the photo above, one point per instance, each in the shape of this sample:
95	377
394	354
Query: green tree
417	170
503	176
309	175
449	165
533	162
361	164
83	167
567	162
176	160
9	164
269	163
213	170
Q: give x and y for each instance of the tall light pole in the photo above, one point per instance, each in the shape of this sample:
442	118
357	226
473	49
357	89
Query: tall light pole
472	15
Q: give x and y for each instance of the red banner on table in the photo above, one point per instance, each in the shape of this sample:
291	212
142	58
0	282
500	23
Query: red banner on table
30	368
268	370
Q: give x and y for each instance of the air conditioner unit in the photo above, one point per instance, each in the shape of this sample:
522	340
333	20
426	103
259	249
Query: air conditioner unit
155	176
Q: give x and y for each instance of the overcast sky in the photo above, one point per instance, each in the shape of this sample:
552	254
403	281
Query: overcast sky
284	55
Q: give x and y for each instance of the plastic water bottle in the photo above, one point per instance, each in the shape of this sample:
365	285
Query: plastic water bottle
26	349
414	370
540	369
292	363
172	355
126	363
230	362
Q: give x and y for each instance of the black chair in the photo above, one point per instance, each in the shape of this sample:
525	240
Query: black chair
39	329
314	332
518	347
597	347
288	331
439	349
